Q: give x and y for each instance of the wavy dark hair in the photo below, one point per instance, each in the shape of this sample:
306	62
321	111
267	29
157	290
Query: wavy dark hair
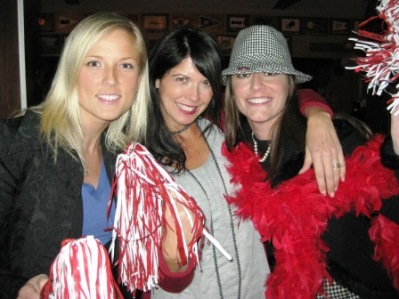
167	53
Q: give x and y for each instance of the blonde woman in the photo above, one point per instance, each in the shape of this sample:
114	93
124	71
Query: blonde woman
57	159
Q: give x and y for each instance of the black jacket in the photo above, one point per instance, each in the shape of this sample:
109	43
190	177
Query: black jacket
40	202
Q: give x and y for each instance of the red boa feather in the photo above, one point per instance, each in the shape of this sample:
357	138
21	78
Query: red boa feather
294	215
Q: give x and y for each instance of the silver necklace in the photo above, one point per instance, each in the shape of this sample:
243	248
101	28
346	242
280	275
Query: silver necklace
181	130
263	159
239	274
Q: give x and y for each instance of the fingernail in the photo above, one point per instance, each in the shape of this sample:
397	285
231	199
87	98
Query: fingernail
332	194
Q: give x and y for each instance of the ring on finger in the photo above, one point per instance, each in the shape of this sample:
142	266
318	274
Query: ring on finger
337	165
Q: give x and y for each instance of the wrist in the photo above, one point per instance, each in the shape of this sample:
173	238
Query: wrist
173	262
170	253
316	111
313	110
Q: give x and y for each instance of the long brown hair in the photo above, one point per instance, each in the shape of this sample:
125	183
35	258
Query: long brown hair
288	130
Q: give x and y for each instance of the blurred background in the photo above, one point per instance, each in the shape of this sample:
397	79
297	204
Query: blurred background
32	33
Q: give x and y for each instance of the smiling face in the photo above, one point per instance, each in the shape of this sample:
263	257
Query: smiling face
108	80
185	93
261	97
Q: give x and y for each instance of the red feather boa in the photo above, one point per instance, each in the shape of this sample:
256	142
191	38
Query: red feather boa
294	215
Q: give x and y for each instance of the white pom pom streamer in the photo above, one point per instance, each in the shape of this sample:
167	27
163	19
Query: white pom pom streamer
144	189
81	270
381	61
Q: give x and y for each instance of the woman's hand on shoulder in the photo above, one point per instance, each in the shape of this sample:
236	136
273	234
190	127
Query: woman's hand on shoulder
324	151
33	287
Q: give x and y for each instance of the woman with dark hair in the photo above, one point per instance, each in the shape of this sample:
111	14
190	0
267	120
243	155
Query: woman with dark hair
201	50
184	136
345	247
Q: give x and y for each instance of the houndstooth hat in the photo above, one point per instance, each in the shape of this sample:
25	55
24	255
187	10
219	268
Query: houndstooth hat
262	49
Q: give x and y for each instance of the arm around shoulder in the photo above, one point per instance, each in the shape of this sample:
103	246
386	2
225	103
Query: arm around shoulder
309	98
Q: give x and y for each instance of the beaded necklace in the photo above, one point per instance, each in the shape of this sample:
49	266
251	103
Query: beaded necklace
263	159
239	274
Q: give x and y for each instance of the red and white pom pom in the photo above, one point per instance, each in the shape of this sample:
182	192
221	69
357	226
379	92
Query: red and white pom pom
81	270
143	189
381	62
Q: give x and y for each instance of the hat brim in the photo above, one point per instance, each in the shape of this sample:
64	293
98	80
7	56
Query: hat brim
299	77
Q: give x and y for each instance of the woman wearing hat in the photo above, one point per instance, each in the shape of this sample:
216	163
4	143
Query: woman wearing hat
316	246
185	69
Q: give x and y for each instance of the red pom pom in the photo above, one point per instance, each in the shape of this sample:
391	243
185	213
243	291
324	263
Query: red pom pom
81	270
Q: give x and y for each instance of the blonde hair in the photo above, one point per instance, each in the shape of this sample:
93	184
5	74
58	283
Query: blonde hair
60	115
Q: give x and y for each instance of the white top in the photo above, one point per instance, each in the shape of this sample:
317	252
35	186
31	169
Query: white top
254	266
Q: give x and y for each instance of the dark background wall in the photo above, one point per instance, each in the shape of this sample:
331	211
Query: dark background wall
9	73
311	8
10	94
317	48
